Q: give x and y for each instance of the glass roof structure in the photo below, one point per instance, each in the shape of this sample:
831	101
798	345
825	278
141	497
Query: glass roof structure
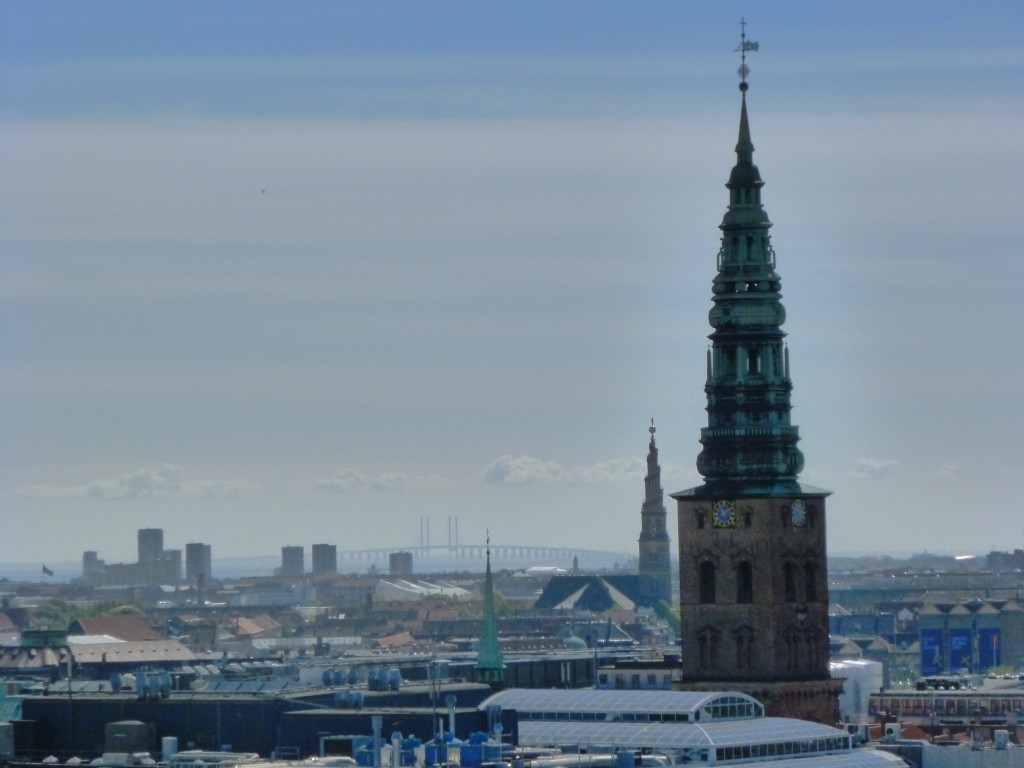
665	737
699	727
658	706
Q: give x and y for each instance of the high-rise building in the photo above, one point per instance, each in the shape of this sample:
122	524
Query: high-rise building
752	563
92	567
655	571
151	545
325	559
198	561
169	566
400	564
293	561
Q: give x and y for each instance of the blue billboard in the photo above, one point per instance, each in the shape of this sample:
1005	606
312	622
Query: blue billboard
989	649
960	650
931	652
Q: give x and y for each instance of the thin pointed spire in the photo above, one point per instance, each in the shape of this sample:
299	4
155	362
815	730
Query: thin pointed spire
744	145
655	569
490	662
747	386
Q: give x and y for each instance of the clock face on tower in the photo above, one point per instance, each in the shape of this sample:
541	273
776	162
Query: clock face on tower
724	514
798	513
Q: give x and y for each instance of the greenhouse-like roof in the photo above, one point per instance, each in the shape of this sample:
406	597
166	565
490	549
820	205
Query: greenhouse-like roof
676	736
716	704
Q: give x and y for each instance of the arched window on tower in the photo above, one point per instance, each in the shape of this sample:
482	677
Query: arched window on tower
811	582
707	647
753	361
744	638
789	581
811	656
792	640
706	579
744	582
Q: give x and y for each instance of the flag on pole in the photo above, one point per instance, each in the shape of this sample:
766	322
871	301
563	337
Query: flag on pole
47	571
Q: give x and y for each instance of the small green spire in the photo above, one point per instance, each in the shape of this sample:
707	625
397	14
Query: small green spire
490	662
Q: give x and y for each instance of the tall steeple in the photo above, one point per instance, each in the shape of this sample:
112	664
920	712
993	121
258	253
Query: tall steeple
655	567
753	589
749	444
490	662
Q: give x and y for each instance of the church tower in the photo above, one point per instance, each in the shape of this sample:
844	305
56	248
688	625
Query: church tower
752	563
490	661
655	582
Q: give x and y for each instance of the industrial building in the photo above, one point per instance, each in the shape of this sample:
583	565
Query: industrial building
687	727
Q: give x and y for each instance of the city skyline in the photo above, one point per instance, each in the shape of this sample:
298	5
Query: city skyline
298	273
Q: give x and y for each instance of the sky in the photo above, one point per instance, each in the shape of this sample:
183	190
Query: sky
296	272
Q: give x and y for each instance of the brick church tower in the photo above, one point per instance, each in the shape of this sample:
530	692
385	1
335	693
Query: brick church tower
752	562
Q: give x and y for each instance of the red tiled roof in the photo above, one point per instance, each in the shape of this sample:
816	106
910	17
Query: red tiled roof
121	626
138	652
396	641
244	627
266	622
912	731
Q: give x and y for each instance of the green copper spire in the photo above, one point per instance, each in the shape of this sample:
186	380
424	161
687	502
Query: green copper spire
490	662
749	445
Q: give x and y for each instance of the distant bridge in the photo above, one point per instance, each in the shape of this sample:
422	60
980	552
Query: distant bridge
460	556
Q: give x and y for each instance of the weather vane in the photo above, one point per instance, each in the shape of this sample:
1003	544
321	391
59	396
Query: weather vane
745	45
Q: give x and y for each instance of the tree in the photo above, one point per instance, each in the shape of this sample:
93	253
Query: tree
671	615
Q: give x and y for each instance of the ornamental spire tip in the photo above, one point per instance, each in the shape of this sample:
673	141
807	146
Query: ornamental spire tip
744	46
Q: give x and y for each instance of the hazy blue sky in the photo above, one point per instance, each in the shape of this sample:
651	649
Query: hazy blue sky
298	272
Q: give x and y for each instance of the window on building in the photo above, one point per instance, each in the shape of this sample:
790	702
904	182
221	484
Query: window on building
811	582
753	361
707	645
744	582
706	579
744	640
789	579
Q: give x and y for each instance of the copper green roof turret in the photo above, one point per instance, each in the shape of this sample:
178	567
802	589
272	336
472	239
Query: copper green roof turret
749	445
490	662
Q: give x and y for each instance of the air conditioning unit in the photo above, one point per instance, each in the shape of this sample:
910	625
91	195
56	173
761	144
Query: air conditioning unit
861	732
893	732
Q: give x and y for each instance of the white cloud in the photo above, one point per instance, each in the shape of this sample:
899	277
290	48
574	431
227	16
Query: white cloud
345	480
527	470
162	482
876	468
944	472
389	481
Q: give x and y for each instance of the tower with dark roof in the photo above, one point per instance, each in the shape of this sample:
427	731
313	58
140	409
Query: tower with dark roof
655	571
752	562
